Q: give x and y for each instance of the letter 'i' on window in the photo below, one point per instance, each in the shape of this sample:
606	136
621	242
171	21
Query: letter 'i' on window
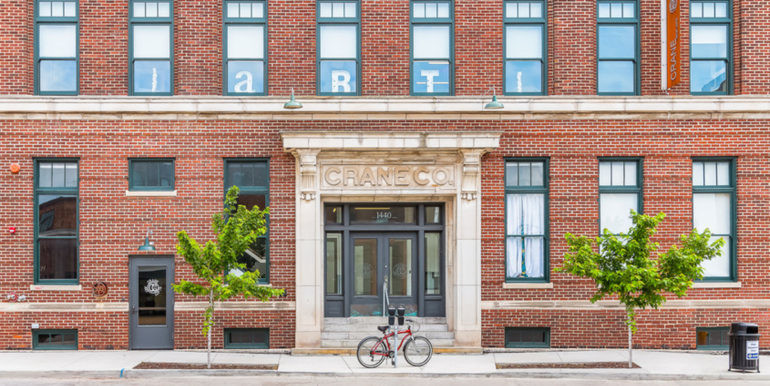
56	221
56	48
526	220
252	179
713	208
432	47
710	47
525	38
244	47
620	191
338	54
618	41
151	43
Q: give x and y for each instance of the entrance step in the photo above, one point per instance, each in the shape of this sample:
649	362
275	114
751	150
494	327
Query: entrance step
347	332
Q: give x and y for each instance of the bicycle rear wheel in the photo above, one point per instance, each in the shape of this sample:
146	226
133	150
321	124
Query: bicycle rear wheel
418	351
371	352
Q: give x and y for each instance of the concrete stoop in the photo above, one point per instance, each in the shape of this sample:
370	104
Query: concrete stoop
342	335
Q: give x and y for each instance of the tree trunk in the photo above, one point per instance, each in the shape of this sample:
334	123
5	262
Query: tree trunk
630	353
211	324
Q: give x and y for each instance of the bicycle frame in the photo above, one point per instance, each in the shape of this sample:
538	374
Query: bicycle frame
386	338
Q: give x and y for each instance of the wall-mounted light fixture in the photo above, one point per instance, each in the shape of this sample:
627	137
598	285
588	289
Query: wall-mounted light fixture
148	246
494	105
292	104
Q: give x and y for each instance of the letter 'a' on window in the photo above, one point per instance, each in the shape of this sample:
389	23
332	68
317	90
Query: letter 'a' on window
56	48
713	208
525	36
151	47
432	48
338	56
244	47
526	220
710	47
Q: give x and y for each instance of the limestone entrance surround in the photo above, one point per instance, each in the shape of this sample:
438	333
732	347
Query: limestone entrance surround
391	167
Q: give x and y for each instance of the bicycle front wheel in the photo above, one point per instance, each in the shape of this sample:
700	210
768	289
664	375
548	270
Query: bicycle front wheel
371	352
418	351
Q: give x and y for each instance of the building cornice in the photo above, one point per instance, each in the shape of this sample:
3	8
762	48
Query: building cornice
385	108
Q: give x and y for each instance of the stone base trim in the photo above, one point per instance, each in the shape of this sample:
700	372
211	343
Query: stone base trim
45	287
525	285
171	193
716	284
585	304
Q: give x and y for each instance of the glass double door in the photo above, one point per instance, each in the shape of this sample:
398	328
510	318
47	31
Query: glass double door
384	268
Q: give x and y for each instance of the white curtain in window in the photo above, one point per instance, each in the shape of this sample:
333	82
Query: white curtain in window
616	211
525	216
712	211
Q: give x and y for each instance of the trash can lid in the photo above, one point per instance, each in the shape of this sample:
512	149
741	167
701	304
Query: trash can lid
743	327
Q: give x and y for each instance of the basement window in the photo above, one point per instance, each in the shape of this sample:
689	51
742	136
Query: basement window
527	337
247	338
55	339
712	338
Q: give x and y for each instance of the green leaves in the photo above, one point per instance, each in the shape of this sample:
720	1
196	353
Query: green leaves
623	265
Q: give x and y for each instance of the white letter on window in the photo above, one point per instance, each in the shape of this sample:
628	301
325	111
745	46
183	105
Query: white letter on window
245	85
429	75
340	78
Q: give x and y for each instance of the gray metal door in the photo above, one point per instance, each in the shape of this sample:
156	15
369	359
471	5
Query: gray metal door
151	302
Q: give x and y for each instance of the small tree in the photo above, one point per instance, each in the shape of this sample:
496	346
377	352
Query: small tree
621	265
236	229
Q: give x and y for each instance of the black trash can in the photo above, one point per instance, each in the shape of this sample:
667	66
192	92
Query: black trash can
744	347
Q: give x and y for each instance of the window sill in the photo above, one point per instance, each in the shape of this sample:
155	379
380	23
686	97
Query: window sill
150	193
55	287
716	284
525	285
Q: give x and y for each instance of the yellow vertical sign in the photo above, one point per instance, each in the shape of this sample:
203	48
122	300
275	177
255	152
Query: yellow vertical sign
673	43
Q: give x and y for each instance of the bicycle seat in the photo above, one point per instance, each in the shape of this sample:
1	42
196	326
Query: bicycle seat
382	328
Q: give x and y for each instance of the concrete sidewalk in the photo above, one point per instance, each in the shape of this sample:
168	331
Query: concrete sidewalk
655	365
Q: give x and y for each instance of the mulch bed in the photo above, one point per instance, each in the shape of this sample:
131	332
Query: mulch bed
201	366
567	365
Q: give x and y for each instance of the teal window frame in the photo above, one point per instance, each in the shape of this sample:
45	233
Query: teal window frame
710	330
132	186
544	190
150	21
39	332
715	21
48	20
637	189
730	189
546	331
538	21
51	191
253	21
634	22
337	21
265	279
228	343
432	22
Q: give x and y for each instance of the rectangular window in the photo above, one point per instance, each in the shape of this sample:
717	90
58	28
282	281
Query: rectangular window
56	228
527	337
151	47
338	55
55	339
525	43
151	174
56	48
526	220
252	178
247	338
620	191
618	47
245	45
712	338
432	47
713	208
710	47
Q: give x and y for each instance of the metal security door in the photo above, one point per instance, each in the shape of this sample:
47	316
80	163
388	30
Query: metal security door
151	303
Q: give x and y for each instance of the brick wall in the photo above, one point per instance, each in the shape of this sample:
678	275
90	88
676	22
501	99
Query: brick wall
385	47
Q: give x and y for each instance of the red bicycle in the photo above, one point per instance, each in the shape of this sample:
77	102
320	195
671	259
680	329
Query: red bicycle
373	350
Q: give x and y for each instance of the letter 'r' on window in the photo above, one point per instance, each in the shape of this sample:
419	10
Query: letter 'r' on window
338	55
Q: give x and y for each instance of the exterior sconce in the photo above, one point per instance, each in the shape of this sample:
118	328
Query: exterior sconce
292	104
494	105
148	246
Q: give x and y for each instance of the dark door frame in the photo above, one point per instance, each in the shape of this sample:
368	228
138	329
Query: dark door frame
134	262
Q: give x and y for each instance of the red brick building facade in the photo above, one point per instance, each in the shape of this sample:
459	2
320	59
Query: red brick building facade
568	127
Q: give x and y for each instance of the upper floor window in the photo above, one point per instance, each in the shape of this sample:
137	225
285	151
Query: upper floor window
56	228
526	220
525	38
56	48
710	47
620	191
713	208
338	56
432	47
150	174
151	27
244	48
618	47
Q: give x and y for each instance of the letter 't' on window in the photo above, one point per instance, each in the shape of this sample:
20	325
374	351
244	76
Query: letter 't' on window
338	47
432	51
56	51
151	47
525	47
245	52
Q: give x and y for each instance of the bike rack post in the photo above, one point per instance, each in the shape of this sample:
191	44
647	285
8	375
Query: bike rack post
392	324
400	312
